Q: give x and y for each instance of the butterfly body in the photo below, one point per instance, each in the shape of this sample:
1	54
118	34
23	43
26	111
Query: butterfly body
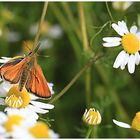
27	73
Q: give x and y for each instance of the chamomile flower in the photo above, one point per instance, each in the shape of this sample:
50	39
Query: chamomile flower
37	130
23	100
130	43
134	125
15	118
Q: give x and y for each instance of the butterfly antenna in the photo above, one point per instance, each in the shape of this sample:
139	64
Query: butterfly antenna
46	56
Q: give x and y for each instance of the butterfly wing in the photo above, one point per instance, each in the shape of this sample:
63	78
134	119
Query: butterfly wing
9	64
37	83
12	70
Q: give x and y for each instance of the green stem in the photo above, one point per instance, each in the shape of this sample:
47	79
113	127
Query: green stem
71	19
90	62
109	12
40	24
95	132
88	86
89	131
86	49
83	27
96	34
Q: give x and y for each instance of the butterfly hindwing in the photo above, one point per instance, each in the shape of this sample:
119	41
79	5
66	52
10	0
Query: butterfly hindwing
37	83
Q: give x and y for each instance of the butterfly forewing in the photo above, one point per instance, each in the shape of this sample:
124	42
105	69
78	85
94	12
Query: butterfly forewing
11	71
9	64
37	83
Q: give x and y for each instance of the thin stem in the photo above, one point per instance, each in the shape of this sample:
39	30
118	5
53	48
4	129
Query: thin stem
109	12
40	24
88	86
89	131
90	62
101	29
83	26
86	48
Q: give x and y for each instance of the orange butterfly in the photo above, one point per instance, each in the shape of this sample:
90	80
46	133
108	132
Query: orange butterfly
26	72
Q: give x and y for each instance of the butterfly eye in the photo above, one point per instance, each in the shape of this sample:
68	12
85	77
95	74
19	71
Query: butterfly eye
29	53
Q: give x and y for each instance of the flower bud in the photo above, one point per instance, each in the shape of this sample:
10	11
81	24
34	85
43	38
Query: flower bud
92	117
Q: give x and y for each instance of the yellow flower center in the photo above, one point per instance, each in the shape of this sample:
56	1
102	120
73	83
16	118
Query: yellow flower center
136	122
40	130
92	117
12	120
16	98
130	43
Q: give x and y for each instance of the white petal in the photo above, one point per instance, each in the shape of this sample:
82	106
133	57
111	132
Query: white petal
124	61
4	59
122	124
133	29
3	117
119	59
138	35
42	105
2	130
33	97
111	39
37	109
52	134
137	58
117	29
113	44
4	88
2	101
131	64
123	27
50	85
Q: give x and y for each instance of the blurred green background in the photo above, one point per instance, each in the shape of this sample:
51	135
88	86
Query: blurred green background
113	92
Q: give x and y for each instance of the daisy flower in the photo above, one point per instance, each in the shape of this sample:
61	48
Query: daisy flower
13	98
24	101
37	130
15	118
130	43
134	125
